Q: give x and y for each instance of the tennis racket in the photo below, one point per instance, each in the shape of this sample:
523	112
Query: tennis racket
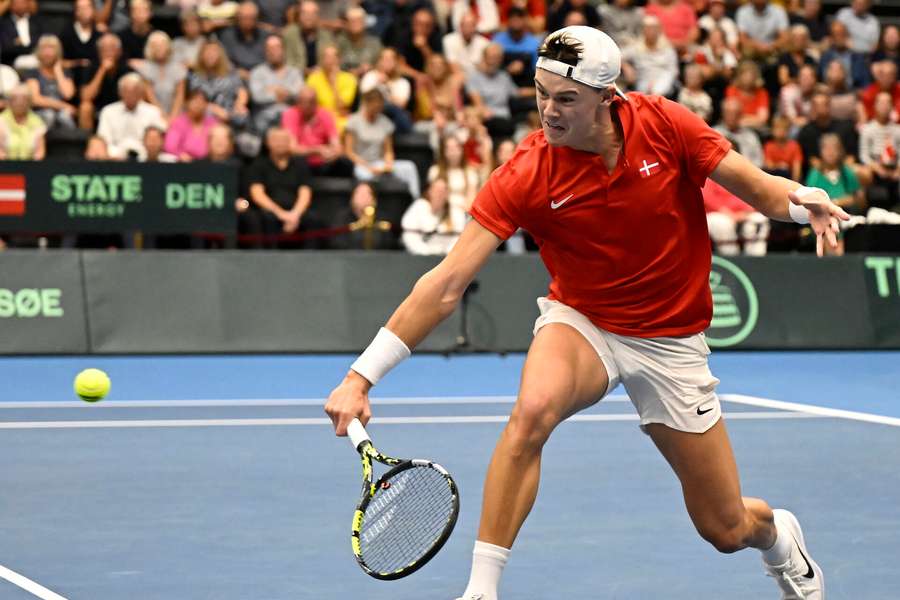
405	517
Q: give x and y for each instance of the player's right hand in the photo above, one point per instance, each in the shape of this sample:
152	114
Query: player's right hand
348	401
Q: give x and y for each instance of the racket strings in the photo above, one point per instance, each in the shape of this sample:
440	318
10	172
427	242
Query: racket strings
403	521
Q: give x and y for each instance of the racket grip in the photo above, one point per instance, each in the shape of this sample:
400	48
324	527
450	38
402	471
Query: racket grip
357	433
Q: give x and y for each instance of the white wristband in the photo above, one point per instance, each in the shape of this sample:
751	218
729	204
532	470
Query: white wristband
384	353
800	214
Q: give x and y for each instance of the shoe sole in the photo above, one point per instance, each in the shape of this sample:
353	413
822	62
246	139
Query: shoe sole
794	525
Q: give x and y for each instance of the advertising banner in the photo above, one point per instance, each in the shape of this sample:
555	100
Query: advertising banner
97	197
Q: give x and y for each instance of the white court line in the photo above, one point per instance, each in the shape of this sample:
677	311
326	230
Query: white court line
144	423
387	401
28	585
812	409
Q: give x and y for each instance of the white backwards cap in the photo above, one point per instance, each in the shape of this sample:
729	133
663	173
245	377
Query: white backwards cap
599	61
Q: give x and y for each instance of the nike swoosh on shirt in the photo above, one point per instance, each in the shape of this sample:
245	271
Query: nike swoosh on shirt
555	205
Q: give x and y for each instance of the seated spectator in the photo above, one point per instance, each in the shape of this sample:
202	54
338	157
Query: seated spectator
314	136
102	87
216	14
273	86
732	222
717	18
335	89
221	146
763	29
862	26
743	138
816	23
622	21
387	73
9	79
486	12
19	33
368	142
464	47
21	130
678	21
821	122
782	155
650	66
879	143
535	10
438	87
463	180
95	149
154	140
188	134
888	47
477	143
885	73
112	15
558	10
798	54
357	48
431	224
520	47
837	178
279	190
747	88
162	72
273	13
717	63
122	124
795	99
854	63
51	86
245	41
213	74
693	96
423	40
844	103
79	40
505	150
305	40
186	46
134	39
492	89
362	213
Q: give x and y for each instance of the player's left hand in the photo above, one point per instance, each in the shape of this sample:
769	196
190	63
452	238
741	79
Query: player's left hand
823	216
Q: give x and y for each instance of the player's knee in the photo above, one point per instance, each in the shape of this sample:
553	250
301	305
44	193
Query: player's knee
725	538
531	423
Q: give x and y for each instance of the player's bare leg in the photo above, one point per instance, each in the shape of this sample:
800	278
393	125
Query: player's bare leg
704	463
562	375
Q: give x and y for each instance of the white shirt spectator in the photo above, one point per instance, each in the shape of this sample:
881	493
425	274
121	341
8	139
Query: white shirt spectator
399	90
726	24
419	220
656	69
466	55
864	31
764	26
874	140
22	29
123	129
488	16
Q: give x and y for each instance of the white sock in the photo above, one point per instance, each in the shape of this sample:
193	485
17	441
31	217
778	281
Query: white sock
781	549
488	561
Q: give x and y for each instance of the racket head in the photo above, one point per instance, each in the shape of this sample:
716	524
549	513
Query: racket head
404	519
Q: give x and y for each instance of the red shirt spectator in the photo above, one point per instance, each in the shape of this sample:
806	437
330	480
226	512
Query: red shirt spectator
678	20
751	102
316	131
536	9
867	97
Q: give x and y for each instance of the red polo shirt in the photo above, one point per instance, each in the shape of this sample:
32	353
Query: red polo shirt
318	131
629	249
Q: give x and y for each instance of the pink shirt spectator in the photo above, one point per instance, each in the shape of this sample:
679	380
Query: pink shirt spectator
184	138
716	198
318	131
677	20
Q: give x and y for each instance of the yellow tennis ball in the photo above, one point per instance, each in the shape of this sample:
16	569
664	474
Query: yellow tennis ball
92	385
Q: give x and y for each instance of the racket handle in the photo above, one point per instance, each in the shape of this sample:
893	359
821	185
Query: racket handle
357	433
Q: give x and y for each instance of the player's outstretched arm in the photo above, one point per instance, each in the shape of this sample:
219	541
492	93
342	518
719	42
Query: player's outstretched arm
433	299
781	199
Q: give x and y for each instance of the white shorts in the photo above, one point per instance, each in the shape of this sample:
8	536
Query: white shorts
667	378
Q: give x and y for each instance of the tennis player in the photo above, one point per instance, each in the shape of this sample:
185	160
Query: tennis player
610	190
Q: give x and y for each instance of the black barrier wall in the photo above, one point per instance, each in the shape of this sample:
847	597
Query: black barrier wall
206	302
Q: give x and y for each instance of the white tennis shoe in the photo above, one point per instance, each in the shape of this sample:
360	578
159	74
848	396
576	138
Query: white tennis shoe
800	578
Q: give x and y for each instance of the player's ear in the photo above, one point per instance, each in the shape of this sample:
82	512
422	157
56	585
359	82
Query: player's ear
607	94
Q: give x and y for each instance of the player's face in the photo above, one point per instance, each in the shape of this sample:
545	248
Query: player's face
567	108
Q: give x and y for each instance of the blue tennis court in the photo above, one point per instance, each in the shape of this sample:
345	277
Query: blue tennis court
219	477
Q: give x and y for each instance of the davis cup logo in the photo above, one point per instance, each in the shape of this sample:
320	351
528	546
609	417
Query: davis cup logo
735	305
12	195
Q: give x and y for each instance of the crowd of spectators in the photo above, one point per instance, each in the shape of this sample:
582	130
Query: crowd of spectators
288	91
